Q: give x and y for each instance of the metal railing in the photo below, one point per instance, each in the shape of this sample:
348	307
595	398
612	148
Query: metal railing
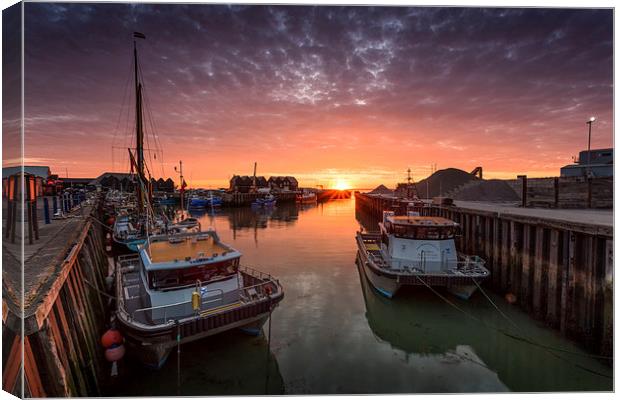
255	292
166	307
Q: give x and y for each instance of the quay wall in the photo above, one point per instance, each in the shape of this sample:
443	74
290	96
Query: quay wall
63	324
565	192
561	273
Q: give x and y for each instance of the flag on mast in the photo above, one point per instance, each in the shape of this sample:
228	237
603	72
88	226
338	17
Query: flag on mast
139	35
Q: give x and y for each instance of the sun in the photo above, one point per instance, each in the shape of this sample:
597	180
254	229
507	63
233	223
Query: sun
341	184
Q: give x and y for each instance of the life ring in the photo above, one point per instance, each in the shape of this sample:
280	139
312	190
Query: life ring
268	290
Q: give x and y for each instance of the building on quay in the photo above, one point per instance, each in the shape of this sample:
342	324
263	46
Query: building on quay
600	164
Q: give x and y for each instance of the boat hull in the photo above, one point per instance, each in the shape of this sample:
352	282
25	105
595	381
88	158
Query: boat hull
388	283
153	347
384	285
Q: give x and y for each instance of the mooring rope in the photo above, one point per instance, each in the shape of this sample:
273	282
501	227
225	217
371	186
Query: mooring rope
100	292
100	223
515	337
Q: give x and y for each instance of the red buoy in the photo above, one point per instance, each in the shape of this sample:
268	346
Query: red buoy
511	298
115	353
111	221
111	337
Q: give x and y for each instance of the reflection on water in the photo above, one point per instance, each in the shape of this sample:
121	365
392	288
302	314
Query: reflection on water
226	364
333	333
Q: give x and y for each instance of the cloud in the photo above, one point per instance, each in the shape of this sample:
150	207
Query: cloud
285	79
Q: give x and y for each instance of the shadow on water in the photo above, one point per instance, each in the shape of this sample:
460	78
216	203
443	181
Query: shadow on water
231	363
422	325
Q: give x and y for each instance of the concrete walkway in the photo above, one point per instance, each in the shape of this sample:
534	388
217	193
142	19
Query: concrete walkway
580	216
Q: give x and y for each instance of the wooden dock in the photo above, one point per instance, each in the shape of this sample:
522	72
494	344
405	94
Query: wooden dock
64	313
558	263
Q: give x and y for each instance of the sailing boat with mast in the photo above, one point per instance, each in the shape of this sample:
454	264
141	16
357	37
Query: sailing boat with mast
186	286
132	224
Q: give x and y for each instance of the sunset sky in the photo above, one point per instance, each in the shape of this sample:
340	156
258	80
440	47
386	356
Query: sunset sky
326	94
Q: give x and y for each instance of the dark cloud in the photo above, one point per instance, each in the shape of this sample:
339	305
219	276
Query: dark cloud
259	72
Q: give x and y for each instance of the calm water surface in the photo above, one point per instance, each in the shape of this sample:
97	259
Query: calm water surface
333	333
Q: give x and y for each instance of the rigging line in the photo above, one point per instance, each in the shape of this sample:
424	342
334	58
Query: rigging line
154	129
525	337
150	119
507	334
125	95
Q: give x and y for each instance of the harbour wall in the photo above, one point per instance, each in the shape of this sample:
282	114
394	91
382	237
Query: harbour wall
560	272
564	192
64	316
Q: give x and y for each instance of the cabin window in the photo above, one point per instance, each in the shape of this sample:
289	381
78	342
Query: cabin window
166	279
424	232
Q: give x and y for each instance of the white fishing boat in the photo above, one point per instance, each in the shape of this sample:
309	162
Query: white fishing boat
185	287
416	250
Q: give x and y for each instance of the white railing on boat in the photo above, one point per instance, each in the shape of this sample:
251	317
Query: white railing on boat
250	293
166	307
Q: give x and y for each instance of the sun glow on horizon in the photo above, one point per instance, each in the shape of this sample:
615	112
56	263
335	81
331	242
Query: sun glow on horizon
342	184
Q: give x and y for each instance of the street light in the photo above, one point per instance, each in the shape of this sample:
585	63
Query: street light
590	121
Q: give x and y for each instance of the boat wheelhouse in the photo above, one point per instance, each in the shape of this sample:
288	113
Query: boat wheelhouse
190	285
418	250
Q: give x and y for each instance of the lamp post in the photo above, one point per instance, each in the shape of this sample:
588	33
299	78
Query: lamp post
590	121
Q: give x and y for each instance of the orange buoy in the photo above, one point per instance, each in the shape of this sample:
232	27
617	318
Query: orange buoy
115	353
111	337
511	298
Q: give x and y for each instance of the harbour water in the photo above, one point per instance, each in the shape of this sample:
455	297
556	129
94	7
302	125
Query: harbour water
334	334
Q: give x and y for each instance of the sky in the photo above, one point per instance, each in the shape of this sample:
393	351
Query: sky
331	95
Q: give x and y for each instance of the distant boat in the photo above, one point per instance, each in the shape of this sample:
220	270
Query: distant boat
268	201
164	200
197	202
415	250
306	198
200	202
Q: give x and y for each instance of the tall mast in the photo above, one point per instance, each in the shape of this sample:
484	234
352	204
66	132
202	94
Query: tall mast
139	131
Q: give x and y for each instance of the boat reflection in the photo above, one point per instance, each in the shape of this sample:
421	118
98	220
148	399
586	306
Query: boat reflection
231	363
242	218
422	325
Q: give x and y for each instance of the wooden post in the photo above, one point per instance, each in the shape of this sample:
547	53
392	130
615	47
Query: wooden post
495	259
527	265
589	205
523	190
607	343
556	192
538	263
513	269
567	281
552	278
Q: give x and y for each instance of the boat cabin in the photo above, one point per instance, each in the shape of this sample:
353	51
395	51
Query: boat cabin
174	266
419	242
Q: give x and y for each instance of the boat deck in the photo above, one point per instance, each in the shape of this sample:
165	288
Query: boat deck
135	304
466	266
165	251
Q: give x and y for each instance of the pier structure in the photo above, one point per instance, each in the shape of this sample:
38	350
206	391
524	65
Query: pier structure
557	265
64	311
